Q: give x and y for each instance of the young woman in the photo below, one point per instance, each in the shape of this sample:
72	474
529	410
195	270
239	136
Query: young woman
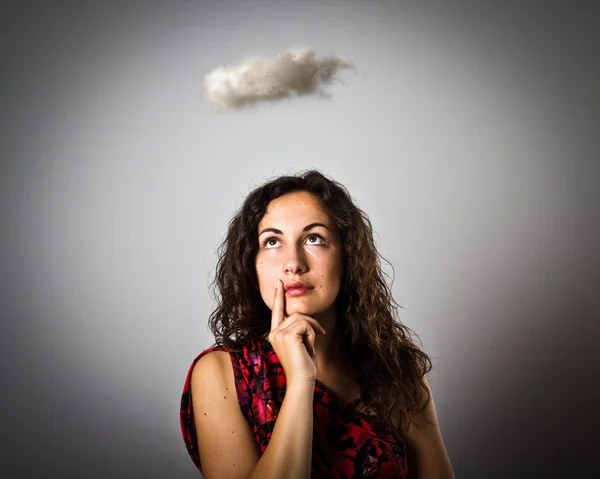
312	373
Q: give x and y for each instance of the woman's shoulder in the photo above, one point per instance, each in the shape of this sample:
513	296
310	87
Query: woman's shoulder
251	367
242	361
213	371
250	354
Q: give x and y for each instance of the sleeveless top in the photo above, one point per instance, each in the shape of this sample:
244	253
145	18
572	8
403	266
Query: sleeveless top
346	443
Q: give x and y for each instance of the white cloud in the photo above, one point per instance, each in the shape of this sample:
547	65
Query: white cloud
294	72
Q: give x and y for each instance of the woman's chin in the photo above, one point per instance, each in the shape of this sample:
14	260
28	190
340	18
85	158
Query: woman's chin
300	309
311	310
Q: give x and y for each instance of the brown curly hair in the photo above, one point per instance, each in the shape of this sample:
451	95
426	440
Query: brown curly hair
391	367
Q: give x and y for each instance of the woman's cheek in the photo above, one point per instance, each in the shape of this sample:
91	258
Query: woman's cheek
266	279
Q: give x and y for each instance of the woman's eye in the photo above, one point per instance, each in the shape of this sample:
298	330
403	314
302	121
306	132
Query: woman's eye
312	239
316	237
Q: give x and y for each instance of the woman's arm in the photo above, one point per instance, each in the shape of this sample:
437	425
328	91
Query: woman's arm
227	447
289	453
427	455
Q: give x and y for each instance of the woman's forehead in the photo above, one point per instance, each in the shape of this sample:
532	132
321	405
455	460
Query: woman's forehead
299	201
296	208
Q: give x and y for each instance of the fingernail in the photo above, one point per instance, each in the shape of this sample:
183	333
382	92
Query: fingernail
277	285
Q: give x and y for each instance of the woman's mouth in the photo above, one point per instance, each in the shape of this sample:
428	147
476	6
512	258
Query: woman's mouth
297	291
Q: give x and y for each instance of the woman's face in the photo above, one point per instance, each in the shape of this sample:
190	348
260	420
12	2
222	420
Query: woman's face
298	241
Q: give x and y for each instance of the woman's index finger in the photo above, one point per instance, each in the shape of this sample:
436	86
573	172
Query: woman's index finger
278	311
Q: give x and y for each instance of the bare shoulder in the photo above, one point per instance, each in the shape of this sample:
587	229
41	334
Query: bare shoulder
427	450
226	444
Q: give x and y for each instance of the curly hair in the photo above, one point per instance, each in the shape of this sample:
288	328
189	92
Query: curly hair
391	367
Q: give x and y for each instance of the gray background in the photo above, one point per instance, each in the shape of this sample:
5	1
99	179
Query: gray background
467	135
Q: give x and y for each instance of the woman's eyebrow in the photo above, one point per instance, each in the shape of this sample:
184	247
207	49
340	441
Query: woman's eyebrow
306	228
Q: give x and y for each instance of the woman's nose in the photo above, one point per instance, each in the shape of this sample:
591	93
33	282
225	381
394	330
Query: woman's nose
295	262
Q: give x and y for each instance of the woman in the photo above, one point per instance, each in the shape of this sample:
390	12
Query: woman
312	375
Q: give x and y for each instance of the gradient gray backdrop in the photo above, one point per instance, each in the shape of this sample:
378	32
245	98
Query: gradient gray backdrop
467	136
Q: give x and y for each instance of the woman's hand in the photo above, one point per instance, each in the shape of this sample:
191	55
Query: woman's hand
293	340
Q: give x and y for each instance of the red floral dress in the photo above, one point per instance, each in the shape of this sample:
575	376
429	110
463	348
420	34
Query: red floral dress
346	444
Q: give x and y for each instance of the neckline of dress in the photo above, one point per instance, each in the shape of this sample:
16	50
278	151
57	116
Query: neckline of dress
318	383
323	387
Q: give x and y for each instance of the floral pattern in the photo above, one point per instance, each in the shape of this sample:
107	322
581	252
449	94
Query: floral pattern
346	443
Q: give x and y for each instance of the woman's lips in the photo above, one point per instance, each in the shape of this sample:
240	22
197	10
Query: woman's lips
297	291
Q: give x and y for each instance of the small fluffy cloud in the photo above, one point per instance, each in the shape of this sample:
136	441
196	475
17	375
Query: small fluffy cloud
295	72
